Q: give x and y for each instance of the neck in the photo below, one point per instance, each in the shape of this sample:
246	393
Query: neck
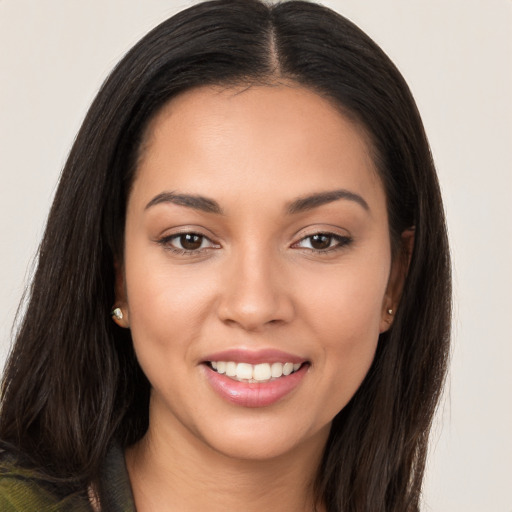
181	474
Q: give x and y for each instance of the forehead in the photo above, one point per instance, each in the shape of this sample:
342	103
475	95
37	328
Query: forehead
258	138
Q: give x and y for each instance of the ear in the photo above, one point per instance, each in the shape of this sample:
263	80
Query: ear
119	312
398	273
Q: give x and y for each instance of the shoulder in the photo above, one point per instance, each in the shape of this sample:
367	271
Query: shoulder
21	490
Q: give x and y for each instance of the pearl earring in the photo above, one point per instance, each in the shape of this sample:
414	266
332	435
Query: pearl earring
117	314
390	311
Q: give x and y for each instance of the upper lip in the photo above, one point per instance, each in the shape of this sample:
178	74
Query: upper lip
239	355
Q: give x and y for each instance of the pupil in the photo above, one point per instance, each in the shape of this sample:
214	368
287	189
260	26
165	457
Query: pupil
190	241
320	241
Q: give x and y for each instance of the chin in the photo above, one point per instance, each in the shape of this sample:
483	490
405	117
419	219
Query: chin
264	439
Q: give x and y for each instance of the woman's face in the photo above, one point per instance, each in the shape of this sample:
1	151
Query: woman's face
257	243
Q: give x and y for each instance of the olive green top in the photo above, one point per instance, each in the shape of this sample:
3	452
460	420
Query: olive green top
23	491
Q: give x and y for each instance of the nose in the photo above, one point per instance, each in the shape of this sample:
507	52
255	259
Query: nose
255	291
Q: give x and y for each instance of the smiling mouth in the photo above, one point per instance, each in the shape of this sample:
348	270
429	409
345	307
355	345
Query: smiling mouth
254	373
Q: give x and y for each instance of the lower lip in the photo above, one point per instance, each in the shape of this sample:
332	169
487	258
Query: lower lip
250	394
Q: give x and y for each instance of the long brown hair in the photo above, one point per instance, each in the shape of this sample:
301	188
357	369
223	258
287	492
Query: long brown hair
72	385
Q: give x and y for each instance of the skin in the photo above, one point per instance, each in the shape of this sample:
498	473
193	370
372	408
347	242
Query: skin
256	282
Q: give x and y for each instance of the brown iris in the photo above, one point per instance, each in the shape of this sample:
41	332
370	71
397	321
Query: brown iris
320	241
191	241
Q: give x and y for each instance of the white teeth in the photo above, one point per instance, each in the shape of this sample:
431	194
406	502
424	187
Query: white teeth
230	369
261	372
277	370
254	373
287	368
244	371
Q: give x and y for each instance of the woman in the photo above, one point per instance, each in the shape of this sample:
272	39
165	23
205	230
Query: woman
243	296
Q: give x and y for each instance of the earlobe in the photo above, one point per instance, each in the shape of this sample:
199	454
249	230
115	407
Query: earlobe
119	317
386	320
398	274
119	311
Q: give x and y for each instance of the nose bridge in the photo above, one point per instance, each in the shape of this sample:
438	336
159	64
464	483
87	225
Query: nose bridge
253	292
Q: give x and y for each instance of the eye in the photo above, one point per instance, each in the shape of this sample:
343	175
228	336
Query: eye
323	242
184	243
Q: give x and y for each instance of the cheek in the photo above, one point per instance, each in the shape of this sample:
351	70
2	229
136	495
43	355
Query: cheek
167	305
350	335
343	311
347	302
167	313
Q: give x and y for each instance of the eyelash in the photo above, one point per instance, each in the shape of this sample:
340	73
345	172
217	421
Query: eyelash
339	243
166	242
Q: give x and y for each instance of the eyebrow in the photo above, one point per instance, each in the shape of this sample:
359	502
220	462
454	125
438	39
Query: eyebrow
301	204
315	200
190	201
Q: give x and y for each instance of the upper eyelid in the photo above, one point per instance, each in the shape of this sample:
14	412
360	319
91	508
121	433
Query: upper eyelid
167	243
212	238
327	233
315	230
177	235
186	229
182	233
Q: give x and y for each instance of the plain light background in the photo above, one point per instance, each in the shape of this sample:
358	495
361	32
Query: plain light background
457	58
